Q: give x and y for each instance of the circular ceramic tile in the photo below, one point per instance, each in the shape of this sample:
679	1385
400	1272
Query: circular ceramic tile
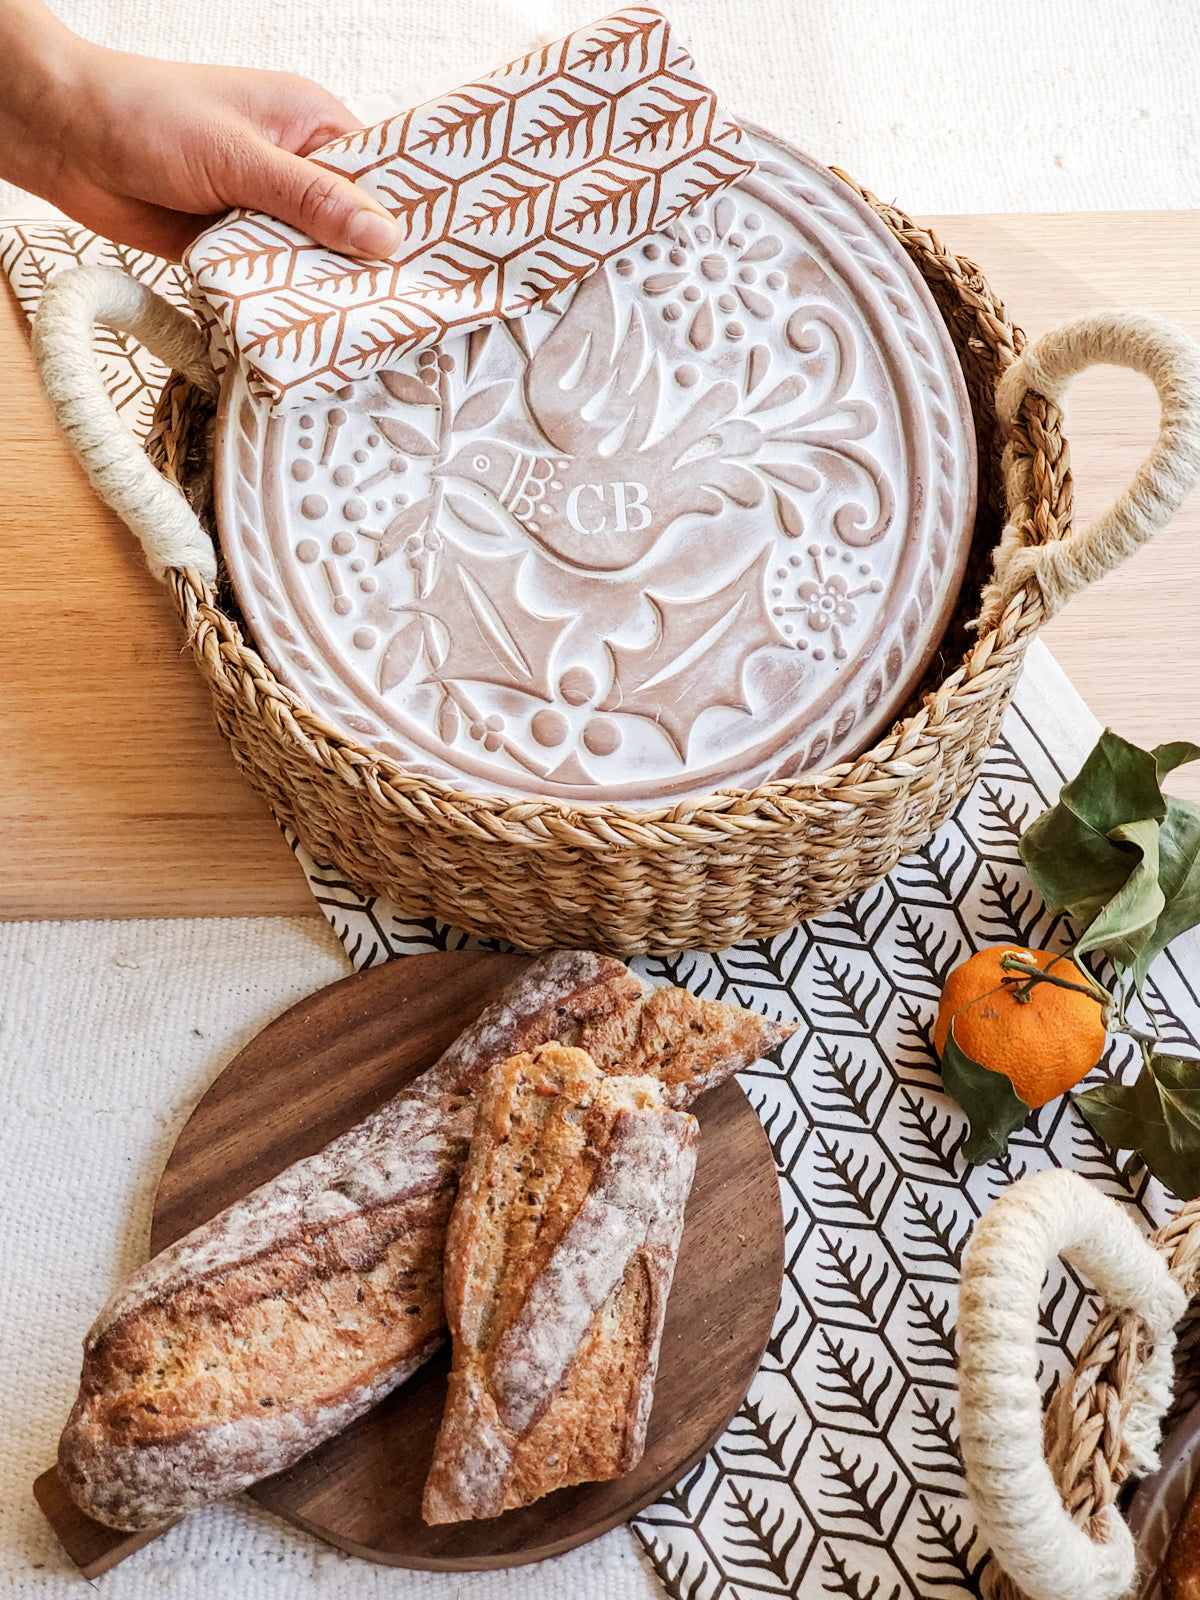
701	525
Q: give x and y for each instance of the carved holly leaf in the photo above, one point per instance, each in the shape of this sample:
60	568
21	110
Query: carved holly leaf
493	637
699	657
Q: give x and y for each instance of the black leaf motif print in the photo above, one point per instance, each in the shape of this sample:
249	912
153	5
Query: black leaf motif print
858	1489
843	1581
950	1546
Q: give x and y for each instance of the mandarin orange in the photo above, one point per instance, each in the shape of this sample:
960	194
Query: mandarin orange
1044	1045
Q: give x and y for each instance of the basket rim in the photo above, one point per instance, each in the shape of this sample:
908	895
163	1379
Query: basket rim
901	754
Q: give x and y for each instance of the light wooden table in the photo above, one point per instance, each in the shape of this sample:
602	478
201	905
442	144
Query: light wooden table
118	797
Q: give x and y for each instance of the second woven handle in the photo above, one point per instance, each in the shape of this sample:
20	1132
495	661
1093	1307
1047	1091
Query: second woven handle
1035	1539
1029	556
63	331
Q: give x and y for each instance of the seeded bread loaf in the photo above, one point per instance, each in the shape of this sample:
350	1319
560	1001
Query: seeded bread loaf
273	1326
559	1258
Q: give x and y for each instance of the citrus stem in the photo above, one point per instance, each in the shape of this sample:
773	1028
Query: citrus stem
1095	991
1113	1018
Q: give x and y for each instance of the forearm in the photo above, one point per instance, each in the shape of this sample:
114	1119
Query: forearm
41	62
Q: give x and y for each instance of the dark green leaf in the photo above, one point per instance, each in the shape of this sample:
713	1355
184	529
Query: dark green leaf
994	1107
1169	756
1076	869
1178	877
1126	923
1117	783
1118	856
1158	1116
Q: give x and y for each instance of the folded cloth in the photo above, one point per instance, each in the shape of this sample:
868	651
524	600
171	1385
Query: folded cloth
509	190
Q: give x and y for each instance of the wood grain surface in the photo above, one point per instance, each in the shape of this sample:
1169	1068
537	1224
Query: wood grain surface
308	1077
118	796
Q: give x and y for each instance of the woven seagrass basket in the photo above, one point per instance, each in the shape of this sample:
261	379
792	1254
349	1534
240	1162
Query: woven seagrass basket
699	874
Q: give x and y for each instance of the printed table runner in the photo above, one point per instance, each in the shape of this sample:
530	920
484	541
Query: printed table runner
840	1476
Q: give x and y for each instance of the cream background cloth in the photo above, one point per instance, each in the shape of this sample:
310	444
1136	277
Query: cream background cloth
942	105
109	1032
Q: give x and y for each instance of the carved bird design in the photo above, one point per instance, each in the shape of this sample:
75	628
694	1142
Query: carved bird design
617	476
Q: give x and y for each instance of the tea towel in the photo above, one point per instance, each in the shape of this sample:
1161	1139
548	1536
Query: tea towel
507	191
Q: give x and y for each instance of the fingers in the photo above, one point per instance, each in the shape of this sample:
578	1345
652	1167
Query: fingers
323	204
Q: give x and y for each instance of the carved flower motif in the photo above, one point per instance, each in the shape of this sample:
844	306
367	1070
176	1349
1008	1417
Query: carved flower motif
826	603
823	603
716	274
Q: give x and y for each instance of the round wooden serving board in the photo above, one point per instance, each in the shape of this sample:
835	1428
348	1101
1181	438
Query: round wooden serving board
329	1062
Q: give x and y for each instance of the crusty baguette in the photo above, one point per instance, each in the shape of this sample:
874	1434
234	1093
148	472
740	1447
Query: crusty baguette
559	1258
273	1326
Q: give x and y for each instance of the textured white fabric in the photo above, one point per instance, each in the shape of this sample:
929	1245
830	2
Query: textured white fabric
1033	105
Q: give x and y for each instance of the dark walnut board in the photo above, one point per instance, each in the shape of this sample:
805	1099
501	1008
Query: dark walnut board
312	1074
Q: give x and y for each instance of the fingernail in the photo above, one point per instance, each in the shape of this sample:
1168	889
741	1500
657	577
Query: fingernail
372	235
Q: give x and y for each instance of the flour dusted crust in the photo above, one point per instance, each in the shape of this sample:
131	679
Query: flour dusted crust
560	1255
273	1326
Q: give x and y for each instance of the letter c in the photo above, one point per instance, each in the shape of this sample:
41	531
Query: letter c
573	508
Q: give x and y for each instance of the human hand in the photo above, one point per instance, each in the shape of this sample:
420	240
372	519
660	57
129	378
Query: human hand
148	152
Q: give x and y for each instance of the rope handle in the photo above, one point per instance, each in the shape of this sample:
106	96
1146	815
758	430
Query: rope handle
1019	1508
1058	570
168	529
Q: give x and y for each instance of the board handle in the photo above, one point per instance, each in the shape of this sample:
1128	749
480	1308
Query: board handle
155	511
1034	556
92	1546
1035	1539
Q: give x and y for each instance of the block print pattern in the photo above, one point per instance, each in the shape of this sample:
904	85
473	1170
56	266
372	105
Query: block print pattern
32	252
508	190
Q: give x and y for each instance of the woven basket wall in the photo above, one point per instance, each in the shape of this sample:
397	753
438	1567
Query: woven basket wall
694	875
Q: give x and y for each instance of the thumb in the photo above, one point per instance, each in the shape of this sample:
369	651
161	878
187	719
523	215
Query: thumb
323	204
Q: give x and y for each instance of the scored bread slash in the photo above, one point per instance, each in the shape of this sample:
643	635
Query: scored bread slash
244	1345
560	1254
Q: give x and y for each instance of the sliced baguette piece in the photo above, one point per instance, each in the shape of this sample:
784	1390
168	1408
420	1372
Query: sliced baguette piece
560	1253
276	1324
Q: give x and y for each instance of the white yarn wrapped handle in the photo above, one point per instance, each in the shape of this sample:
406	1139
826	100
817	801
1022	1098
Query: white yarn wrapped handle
1164	354
169	530
1020	1511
